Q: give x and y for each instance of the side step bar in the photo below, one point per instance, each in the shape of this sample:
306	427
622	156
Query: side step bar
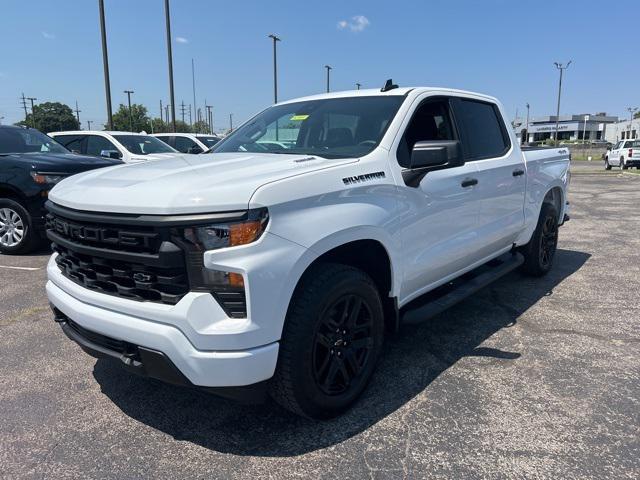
437	301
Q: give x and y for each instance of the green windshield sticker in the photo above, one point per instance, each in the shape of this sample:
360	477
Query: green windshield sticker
299	118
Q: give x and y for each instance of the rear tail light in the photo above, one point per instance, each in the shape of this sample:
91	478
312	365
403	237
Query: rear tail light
631	152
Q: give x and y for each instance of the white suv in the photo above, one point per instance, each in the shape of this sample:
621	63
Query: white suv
188	142
127	146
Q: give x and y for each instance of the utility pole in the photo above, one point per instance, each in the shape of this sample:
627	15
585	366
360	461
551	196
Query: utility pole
89	122
129	92
329	68
209	117
562	68
33	113
78	115
170	59
190	119
358	85
105	62
230	122
182	110
24	105
527	123
275	67
193	83
166	113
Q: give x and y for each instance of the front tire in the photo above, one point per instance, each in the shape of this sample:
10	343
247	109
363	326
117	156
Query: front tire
541	249
331	341
16	229
622	164
606	164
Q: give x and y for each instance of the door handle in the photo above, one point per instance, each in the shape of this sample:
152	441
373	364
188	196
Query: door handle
469	182
518	172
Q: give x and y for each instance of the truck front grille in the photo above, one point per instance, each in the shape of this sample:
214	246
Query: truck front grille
137	263
128	280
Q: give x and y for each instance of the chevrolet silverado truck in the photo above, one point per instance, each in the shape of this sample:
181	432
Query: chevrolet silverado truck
250	271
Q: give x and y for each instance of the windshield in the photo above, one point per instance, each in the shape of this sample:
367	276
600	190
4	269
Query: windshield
27	140
143	144
331	128
208	141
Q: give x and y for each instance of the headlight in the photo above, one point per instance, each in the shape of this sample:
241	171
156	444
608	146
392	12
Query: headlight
227	287
232	234
43	178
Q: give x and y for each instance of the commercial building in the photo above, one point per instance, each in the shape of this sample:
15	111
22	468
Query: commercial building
570	127
623	130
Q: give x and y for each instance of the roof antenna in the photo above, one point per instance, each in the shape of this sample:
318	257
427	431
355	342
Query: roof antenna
389	85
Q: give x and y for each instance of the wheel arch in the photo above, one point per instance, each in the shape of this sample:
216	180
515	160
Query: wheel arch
369	253
8	191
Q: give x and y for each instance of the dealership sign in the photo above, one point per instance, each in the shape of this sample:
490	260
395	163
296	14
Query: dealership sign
563	127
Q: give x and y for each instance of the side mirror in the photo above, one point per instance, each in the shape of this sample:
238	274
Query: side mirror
115	154
432	155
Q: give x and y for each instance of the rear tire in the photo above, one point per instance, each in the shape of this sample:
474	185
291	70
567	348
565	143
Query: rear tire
540	251
606	164
16	229
622	164
331	342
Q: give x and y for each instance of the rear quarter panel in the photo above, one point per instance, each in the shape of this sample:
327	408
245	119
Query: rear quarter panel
547	168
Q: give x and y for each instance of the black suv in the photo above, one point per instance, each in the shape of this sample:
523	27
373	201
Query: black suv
30	165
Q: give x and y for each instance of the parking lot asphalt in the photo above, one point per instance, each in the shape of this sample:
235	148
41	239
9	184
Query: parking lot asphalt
529	378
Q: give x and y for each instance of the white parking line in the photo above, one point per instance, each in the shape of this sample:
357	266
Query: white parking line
28	269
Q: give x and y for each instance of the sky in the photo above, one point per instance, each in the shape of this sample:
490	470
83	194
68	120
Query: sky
51	50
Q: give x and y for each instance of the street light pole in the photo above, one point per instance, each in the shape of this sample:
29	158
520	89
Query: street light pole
105	62
275	39
129	92
329	68
170	59
631	111
584	129
358	85
527	142
562	68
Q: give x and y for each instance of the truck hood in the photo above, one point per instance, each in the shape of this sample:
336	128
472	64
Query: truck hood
183	185
68	163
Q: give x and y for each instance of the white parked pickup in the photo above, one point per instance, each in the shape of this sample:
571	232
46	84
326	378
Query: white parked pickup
126	146
253	270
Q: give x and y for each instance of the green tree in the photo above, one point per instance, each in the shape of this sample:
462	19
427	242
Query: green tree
51	117
201	127
636	115
139	119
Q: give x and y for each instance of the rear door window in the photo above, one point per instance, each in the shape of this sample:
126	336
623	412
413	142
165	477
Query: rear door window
71	142
183	144
484	133
96	144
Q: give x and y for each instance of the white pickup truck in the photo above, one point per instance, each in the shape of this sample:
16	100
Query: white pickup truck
254	270
624	154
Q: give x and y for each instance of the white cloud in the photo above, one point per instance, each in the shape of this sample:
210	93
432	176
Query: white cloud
48	36
356	24
182	40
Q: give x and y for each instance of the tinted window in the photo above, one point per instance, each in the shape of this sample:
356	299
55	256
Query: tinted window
96	144
484	136
209	141
183	144
143	144
330	128
168	140
27	140
71	142
431	121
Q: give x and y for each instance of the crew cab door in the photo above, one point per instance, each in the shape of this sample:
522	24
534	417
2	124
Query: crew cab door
501	172
439	223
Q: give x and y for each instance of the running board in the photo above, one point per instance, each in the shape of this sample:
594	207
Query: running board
437	301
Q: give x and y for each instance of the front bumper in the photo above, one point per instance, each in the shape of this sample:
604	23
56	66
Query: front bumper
200	367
